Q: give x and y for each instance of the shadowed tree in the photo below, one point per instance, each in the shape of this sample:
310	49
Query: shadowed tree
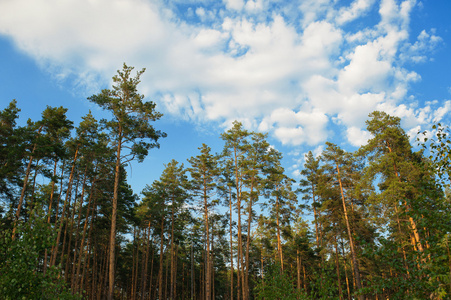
47	142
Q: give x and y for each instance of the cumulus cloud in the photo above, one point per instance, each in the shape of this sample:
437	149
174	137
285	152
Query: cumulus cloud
357	137
277	67
355	10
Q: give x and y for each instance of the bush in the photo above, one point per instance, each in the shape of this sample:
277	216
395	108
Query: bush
21	263
277	285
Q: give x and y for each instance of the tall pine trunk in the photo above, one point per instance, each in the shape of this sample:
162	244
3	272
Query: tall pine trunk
351	240
68	195
114	216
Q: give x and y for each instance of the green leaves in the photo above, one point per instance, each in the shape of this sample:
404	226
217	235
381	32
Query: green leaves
21	275
277	285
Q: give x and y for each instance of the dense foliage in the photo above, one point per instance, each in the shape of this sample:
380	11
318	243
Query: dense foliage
369	224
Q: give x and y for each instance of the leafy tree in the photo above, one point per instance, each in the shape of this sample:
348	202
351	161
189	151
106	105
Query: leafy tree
439	147
20	263
277	286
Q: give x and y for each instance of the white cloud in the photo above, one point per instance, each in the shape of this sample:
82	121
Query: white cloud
200	12
254	6
313	10
357	8
255	61
417	52
357	137
234	4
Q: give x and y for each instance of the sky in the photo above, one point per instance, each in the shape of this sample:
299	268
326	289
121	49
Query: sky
305	72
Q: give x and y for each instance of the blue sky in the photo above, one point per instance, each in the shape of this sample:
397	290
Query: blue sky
305	71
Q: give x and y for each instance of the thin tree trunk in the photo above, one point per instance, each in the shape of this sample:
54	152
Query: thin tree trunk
160	272
22	193
240	289
351	241
89	211
231	245
207	256
337	263
172	253
212	269
31	202
49	212
72	221
298	270
346	272
248	242
175	272
279	241
151	271
68	195
135	264
114	216
315	216
166	281
144	268
192	269
77	234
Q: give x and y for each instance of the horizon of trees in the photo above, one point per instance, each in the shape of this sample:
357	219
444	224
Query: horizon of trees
369	224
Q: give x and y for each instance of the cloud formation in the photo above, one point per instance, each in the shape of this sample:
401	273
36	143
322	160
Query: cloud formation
290	69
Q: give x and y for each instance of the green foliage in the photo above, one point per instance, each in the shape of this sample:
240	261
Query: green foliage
21	270
439	147
324	285
131	124
277	285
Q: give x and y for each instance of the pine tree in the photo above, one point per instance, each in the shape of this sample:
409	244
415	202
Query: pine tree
204	172
131	130
235	151
340	166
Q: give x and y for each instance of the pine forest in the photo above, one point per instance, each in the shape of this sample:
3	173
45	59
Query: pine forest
369	224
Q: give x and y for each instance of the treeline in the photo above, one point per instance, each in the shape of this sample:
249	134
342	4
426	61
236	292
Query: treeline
372	224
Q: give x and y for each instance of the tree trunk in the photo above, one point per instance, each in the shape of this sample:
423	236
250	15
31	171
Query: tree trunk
151	272
351	240
144	273
114	216
248	243
337	263
22	193
49	213
298	270
77	234
346	272
160	272
240	287
279	241
89	211
172	281
231	245
68	195
207	235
